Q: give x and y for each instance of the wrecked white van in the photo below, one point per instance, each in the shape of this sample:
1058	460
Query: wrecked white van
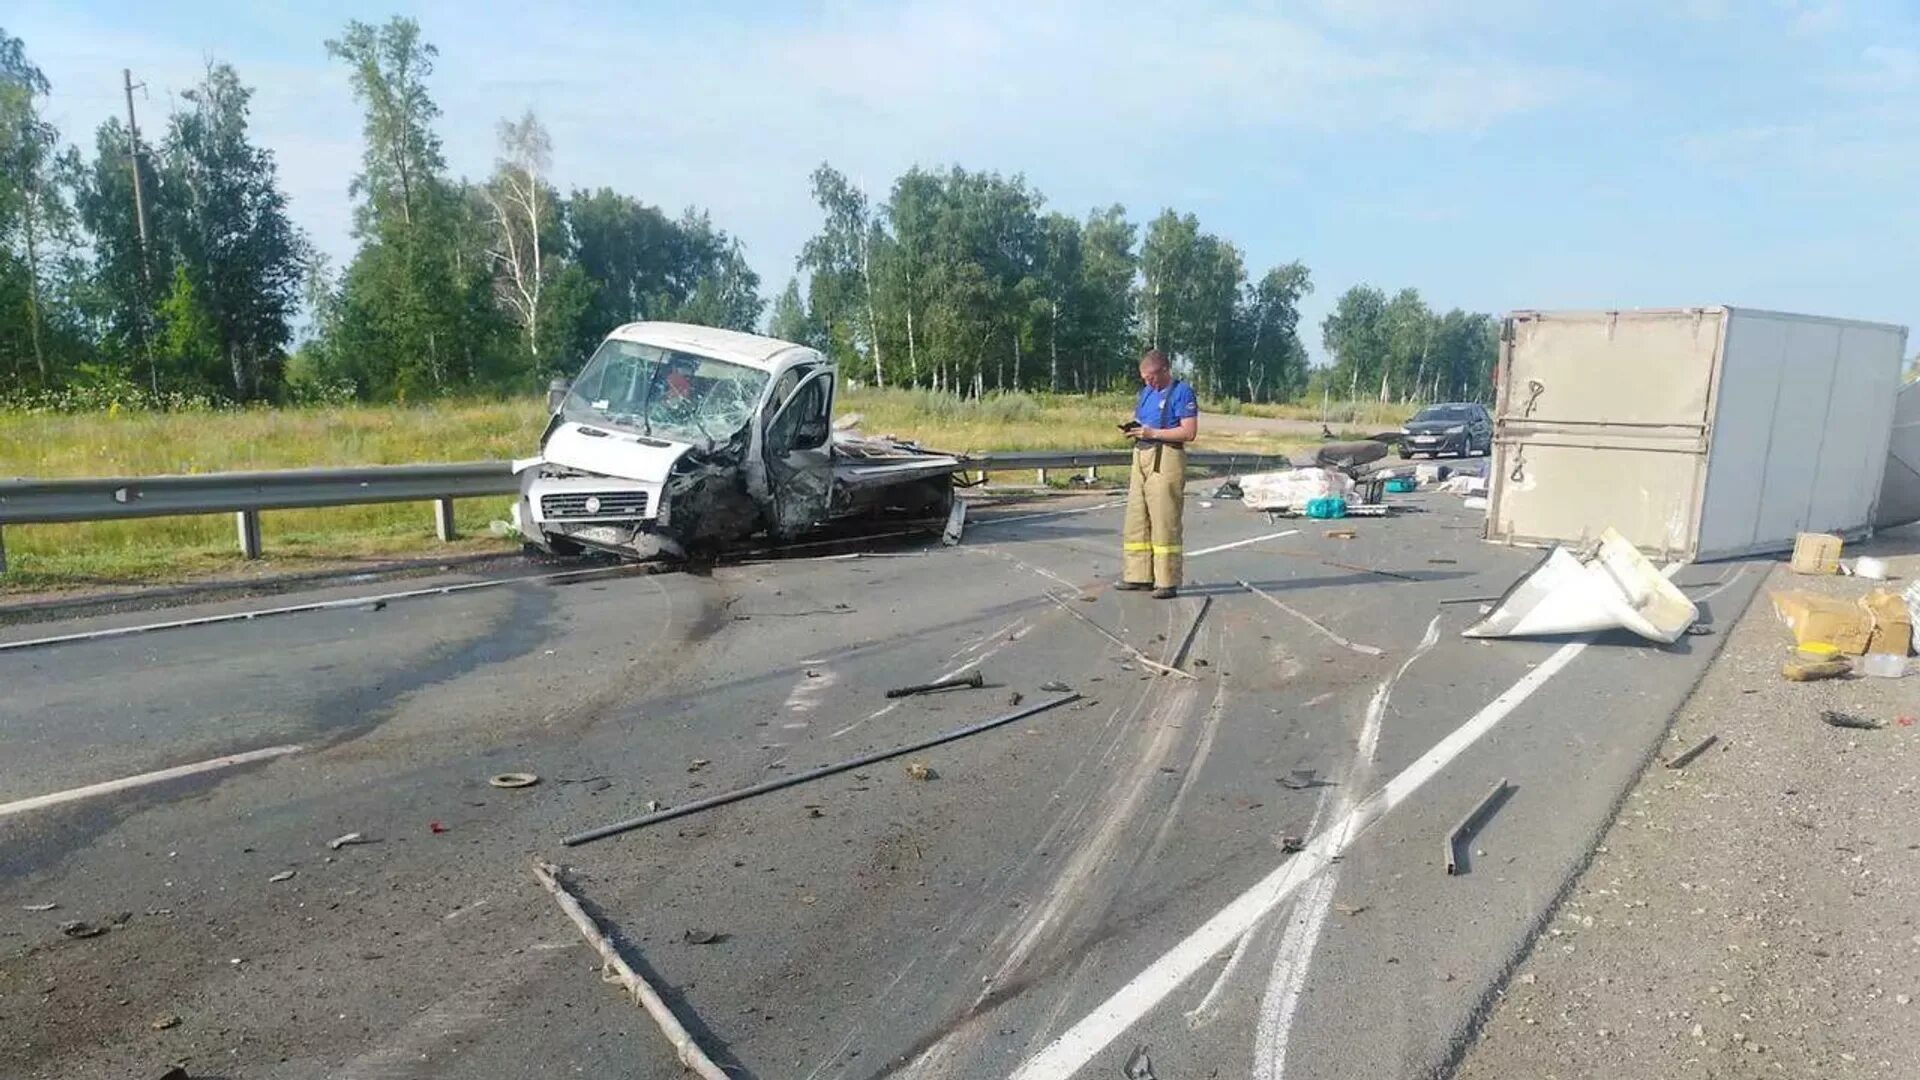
678	438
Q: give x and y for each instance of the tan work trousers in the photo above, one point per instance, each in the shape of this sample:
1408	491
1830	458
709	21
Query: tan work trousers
1151	539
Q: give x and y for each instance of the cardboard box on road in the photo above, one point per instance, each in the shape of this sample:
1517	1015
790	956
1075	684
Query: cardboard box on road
1875	623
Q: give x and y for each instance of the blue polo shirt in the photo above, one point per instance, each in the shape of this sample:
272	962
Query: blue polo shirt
1166	408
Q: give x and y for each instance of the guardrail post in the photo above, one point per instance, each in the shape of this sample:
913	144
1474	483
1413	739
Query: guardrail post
983	476
443	519
1093	473
1043	476
3	551
248	522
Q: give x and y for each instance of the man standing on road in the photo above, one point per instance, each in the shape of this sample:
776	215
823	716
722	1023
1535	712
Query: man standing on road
1165	419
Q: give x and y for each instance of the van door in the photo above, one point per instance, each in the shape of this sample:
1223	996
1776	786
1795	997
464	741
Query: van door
799	456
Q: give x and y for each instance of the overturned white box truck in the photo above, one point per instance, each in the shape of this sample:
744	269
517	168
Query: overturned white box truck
677	438
1696	433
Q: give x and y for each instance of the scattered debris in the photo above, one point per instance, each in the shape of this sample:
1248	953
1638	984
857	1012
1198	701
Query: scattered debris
1680	760
38	907
654	817
1465	485
972	680
654	806
1292	845
1291	490
1365	650
1350	910
1139	1066
1228	490
513	780
1816	553
1014	699
1875	623
1179	655
1342	534
920	770
1814	670
956	523
1443	562
697	764
1474	502
1138	656
1298	780
1055	686
284	875
1471	822
436	828
78	929
345	839
1697	630
1612	586
701	937
1837	719
1866	566
1883	665
178	1072
165	1022
616	969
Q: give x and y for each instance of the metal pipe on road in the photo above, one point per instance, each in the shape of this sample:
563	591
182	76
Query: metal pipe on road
723	799
1468	823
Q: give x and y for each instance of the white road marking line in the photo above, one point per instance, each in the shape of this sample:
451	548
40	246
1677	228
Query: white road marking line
1241	543
1108	1021
106	787
317	605
1365	650
1294	958
978	522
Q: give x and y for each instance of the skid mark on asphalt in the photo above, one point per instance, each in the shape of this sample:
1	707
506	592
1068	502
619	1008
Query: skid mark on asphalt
481	1004
1291	962
1110	1019
808	690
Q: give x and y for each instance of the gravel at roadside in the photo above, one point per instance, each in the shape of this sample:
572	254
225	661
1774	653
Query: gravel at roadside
1753	914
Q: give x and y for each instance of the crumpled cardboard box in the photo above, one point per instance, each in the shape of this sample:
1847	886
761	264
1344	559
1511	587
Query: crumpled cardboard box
1875	623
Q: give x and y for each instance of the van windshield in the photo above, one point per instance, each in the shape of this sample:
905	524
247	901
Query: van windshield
657	391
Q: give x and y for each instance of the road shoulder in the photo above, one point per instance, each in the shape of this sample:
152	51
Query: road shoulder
1751	914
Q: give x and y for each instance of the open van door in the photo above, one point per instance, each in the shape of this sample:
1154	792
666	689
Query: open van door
799	456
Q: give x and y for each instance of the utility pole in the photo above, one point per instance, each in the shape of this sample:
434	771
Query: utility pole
140	217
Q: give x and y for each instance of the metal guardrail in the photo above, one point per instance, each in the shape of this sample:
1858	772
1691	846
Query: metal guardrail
246	494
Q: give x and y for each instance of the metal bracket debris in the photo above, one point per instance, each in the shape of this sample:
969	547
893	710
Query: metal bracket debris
1469	823
643	992
972	680
1179	655
956	523
723	799
1680	760
1138	657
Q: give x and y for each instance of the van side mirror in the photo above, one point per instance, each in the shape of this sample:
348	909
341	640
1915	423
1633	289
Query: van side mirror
557	393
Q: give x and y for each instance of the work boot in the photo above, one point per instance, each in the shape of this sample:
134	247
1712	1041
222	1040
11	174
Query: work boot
1167	593
1134	586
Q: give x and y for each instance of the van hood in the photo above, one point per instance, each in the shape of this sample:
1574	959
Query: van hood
607	451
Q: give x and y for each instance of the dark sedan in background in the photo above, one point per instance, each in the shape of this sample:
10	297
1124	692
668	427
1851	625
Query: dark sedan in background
1463	428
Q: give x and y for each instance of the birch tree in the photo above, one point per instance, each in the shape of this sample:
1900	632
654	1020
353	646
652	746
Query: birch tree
523	216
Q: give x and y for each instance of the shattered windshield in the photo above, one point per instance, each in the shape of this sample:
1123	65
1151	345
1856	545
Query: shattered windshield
658	391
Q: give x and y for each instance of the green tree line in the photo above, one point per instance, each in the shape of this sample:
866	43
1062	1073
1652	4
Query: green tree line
456	285
172	265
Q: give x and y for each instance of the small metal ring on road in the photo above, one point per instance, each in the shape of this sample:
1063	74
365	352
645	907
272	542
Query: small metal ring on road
513	780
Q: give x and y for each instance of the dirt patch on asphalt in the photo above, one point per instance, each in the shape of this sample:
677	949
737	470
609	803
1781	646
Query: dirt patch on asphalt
1755	913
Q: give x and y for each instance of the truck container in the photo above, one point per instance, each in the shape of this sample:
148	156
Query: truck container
1697	433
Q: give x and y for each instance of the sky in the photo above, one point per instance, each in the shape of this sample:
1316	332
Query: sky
1494	154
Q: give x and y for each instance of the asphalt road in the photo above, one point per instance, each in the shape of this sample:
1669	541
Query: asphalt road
1103	876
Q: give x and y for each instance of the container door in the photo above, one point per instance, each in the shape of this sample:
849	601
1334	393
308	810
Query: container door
1602	422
